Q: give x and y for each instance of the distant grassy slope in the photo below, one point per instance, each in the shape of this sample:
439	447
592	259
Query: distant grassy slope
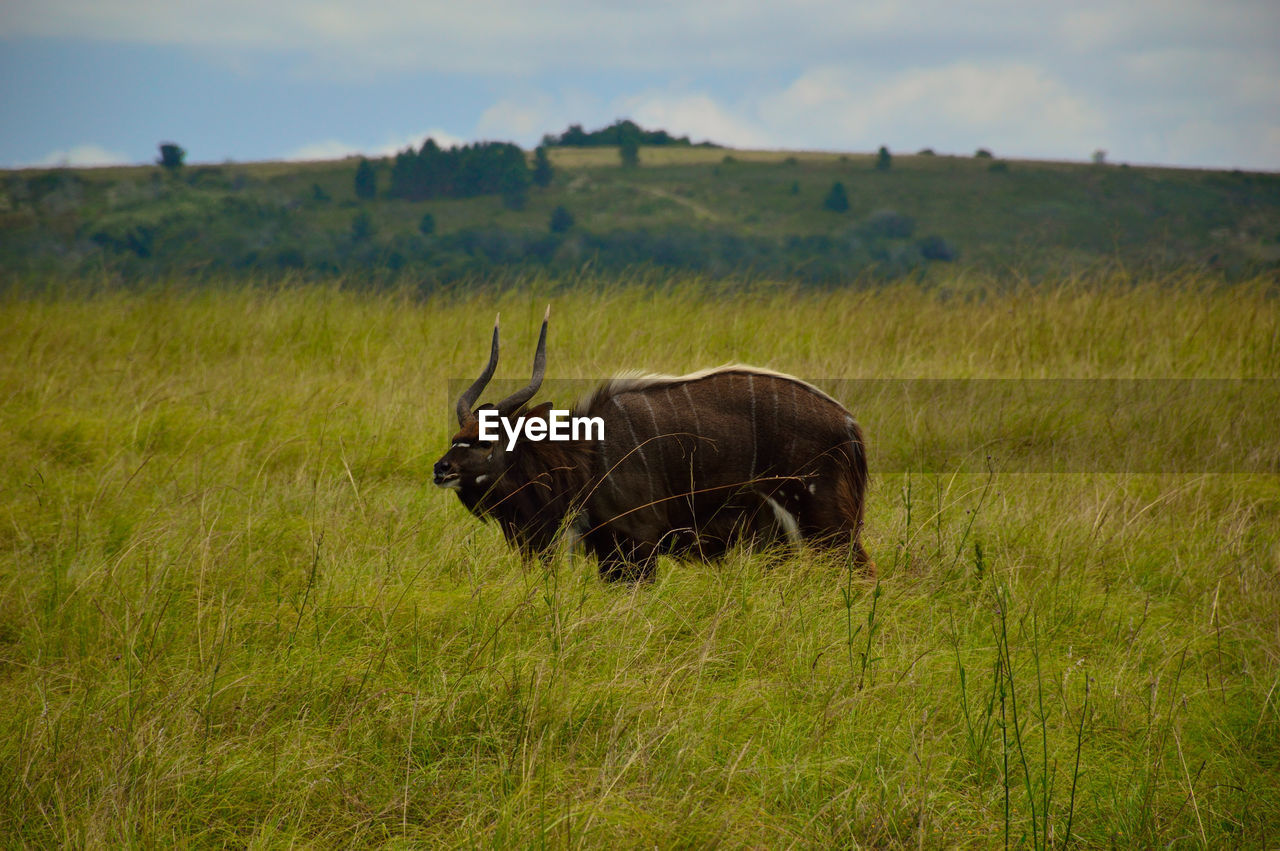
1035	217
1035	210
234	610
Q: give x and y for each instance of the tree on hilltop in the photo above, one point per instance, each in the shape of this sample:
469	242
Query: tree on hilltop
171	156
366	180
542	171
629	152
836	201
629	145
611	136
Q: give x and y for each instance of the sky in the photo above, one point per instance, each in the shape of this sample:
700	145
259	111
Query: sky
98	82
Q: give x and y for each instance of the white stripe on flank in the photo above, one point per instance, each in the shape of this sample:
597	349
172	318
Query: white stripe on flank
677	446
755	433
635	439
777	408
795	393
605	469
656	442
639	449
692	408
657	431
694	445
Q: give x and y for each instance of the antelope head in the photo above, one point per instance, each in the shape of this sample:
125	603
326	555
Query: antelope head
473	463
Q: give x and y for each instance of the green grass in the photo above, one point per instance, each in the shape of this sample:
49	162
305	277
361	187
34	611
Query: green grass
233	610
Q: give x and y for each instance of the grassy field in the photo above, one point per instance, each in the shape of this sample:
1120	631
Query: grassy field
233	610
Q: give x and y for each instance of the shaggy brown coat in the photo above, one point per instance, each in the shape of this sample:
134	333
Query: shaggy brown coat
689	466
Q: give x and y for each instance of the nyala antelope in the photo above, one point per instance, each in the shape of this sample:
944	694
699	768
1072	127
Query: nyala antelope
688	466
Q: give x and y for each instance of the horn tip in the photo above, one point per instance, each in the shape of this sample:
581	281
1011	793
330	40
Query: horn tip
547	315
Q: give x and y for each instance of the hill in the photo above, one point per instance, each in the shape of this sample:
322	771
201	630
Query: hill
711	211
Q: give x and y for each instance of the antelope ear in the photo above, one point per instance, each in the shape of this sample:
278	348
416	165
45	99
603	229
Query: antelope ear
541	412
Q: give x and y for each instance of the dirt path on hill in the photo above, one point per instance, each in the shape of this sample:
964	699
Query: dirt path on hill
698	210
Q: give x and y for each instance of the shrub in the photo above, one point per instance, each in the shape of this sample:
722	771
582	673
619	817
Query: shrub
934	247
290	257
999	166
366	180
361	227
561	219
884	160
982	154
836	201
629	151
925	152
207	177
427	224
515	197
889	224
318	194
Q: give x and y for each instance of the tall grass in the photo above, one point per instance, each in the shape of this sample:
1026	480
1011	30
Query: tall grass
234	610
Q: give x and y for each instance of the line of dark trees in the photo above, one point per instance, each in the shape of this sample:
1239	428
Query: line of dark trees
619	133
253	236
485	168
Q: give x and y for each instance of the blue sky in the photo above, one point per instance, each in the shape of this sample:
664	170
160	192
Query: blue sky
1176	83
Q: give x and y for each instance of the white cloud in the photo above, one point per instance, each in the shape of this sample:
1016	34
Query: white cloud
699	116
328	149
1148	79
524	118
1015	109
496	36
508	36
1209	144
336	149
1100	26
1019	108
82	156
